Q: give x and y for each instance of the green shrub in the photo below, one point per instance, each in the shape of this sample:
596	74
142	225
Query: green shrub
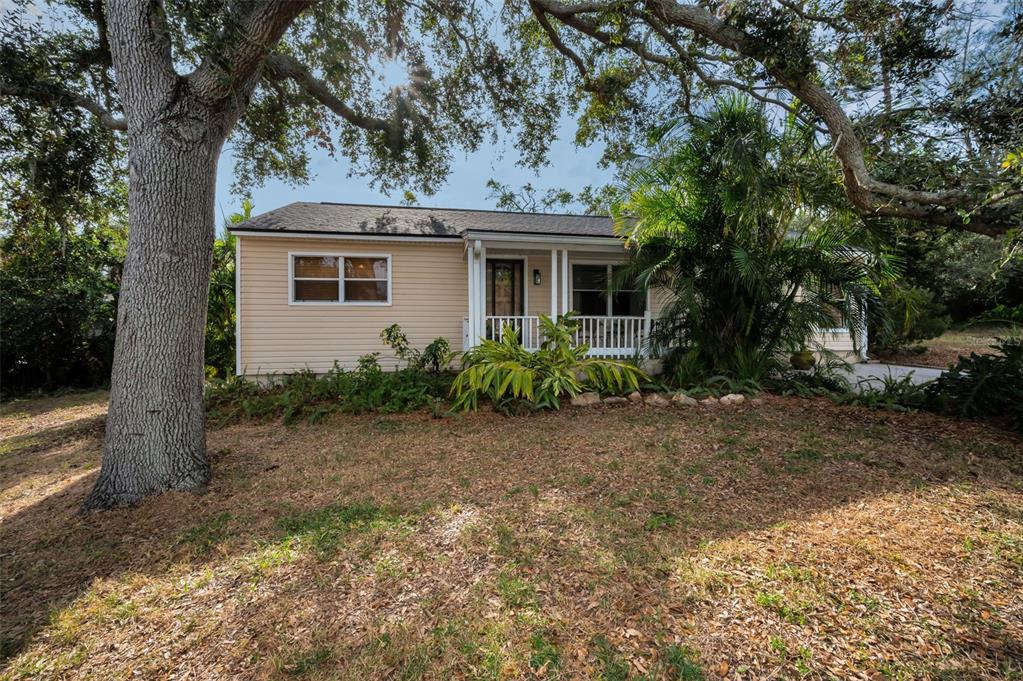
750	263
984	386
1001	314
508	375
435	357
895	394
913	315
822	380
367	388
978	386
304	394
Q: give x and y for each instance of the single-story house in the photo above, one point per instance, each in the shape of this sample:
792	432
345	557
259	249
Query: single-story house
317	282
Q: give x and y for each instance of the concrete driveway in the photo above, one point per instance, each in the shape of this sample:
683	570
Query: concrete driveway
874	373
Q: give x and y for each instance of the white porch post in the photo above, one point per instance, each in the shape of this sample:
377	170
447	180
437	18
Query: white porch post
470	254
564	282
647	327
481	302
554	283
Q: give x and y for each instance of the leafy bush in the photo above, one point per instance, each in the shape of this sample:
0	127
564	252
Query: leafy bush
58	301
1001	314
304	394
978	386
509	376
913	315
984	386
435	357
367	388
895	394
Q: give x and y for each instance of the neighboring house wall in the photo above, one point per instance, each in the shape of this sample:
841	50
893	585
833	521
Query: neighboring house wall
429	296
839	342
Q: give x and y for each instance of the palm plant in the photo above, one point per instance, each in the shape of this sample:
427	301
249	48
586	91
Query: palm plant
220	311
755	251
507	374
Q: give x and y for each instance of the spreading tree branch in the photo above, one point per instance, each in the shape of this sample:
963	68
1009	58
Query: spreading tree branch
952	208
52	95
251	33
282	66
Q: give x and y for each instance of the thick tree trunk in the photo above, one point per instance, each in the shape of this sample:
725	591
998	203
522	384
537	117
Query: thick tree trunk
155	439
156	427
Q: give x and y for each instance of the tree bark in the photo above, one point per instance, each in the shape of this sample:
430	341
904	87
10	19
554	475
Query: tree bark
177	125
156	435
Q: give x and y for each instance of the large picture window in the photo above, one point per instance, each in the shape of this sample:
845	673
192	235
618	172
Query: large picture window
590	297
341	279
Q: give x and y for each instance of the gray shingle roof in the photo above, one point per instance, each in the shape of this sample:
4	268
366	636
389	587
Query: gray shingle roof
350	218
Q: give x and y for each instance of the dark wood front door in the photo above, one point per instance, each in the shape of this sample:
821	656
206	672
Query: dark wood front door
505	289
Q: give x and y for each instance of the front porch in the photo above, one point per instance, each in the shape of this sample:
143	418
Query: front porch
513	279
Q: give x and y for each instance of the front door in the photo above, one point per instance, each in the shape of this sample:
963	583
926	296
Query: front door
505	288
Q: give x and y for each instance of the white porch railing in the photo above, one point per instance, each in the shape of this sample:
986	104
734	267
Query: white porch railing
606	336
528	329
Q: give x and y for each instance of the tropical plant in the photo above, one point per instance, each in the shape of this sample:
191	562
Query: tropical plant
983	386
220	310
756	251
913	315
435	357
508	375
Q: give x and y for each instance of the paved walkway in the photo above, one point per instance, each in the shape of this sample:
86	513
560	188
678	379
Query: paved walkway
874	373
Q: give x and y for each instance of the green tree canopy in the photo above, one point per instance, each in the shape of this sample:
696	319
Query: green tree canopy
921	102
741	229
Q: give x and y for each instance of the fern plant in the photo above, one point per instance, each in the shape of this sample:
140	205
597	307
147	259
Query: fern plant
507	374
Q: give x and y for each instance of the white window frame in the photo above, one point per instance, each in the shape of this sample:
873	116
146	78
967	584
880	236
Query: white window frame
609	301
340	277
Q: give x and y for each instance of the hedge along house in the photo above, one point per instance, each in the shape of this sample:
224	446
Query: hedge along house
316	283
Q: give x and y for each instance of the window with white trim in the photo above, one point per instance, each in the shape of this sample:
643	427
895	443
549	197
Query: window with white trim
590	296
353	279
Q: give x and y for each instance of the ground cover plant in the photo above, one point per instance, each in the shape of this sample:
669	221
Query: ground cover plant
424	381
796	539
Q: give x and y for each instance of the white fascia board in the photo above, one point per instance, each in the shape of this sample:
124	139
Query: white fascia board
351	237
545	241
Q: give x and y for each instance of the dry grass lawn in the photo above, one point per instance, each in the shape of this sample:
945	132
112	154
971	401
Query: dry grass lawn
794	539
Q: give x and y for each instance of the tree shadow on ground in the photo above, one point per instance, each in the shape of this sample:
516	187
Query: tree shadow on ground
644	486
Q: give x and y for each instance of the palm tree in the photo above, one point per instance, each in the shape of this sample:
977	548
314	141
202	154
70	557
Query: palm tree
754	248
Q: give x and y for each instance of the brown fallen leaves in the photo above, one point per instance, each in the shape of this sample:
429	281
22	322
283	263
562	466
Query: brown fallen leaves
794	540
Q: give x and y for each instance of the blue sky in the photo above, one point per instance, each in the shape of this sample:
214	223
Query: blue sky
570	167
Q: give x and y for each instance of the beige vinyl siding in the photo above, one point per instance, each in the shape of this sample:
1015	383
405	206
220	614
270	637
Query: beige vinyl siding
429	298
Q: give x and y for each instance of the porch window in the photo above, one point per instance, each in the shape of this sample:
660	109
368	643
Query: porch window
590	297
341	279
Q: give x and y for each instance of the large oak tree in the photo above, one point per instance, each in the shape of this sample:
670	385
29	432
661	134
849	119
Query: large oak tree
919	125
174	80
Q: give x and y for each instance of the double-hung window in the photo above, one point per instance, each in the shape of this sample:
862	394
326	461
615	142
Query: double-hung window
341	279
